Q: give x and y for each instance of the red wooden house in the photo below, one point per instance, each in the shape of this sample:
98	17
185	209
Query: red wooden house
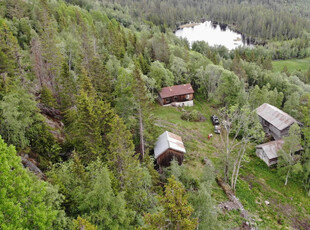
177	95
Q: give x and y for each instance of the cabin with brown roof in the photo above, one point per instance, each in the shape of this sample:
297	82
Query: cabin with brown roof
274	121
169	146
177	95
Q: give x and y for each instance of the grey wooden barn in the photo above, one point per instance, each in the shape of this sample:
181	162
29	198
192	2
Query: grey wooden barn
268	151
274	121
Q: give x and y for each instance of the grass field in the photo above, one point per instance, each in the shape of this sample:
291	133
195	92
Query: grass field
292	65
289	206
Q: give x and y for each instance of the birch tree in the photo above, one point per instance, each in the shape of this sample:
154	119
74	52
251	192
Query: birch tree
240	127
306	143
289	162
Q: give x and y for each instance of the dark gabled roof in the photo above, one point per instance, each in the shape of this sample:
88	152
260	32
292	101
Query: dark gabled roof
275	116
271	148
176	90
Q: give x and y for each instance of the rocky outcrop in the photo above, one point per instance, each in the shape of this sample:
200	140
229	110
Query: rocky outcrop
31	164
53	120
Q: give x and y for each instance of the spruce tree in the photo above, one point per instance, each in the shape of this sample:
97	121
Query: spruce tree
176	213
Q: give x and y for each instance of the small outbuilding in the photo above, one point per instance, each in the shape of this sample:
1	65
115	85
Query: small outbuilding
177	95
169	146
268	151
274	121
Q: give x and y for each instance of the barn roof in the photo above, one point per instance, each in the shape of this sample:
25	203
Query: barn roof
271	148
275	116
176	90
167	141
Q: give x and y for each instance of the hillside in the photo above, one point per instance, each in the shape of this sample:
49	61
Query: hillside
80	116
288	205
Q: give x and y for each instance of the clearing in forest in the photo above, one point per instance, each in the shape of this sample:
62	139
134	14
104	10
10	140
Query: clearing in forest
292	65
259	188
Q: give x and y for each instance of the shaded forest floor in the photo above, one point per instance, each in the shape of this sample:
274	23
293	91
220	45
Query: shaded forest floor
289	206
292	65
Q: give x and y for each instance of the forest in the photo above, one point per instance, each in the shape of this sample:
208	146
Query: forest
79	116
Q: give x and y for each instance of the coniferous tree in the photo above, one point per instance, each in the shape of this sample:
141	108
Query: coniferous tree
92	123
140	95
47	97
176	213
132	177
9	55
66	88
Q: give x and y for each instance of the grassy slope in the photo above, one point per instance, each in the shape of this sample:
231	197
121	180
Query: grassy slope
289	205
292	65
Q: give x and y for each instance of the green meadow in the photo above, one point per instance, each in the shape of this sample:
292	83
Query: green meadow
292	65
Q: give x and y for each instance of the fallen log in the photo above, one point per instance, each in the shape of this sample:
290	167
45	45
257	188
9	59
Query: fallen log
235	202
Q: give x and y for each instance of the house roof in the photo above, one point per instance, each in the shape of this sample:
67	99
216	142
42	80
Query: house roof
271	148
167	141
176	90
275	116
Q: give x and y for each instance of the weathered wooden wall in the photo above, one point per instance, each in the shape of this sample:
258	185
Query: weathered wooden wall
179	98
164	159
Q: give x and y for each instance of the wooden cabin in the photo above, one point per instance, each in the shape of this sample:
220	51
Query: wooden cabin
268	151
177	95
274	121
169	146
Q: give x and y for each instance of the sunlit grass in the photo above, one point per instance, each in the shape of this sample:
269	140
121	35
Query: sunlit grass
292	65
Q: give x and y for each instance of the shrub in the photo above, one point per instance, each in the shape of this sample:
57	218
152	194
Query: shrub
193	115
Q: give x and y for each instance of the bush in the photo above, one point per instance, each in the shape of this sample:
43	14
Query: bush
193	115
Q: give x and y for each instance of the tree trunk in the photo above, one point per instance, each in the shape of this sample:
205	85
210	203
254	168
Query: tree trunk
234	172
227	158
70	60
287	175
141	134
236	175
37	58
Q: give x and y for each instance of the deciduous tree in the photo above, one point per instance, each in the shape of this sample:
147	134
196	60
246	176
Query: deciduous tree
288	162
26	202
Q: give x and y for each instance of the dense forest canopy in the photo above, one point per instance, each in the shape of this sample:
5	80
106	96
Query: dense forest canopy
78	87
257	19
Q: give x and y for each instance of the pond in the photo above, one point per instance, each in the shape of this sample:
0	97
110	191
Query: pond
213	34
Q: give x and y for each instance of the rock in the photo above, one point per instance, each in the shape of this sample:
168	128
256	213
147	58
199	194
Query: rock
267	202
207	162
31	165
51	112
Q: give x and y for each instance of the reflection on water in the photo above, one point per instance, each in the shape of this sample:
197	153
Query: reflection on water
213	34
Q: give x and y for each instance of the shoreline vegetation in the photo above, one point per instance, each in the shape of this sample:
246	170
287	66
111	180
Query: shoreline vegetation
188	25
